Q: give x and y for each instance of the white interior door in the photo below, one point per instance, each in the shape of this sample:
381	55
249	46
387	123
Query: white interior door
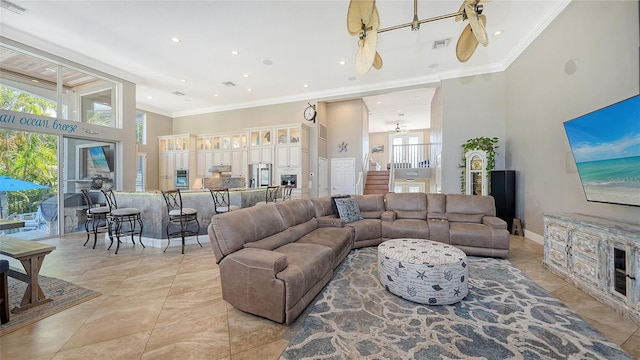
323	177
343	176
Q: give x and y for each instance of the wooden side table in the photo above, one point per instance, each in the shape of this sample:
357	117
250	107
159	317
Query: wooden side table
31	254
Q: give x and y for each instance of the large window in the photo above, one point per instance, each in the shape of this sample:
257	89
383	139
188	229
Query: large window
68	93
141	165
141	128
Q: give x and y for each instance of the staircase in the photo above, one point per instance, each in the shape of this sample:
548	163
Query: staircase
377	182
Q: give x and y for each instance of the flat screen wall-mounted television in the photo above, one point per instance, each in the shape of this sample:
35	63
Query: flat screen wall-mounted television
101	163
606	148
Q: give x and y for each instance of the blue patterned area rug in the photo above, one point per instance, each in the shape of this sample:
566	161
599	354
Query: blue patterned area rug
504	316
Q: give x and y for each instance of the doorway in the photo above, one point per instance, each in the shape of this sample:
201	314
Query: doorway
343	176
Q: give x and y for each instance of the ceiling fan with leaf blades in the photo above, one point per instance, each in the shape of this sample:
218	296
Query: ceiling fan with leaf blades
363	20
399	128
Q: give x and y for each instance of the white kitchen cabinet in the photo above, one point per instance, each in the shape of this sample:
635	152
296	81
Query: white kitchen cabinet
177	152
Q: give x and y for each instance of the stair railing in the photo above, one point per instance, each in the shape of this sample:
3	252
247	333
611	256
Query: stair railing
362	175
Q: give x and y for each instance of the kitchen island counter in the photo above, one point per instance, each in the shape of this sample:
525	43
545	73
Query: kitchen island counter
154	210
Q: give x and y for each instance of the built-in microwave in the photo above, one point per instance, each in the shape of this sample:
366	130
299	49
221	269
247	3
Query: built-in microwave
182	179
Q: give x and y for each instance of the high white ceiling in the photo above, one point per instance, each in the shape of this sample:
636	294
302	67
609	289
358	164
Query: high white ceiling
303	41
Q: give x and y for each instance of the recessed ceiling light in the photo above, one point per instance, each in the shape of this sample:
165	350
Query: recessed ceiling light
175	39
216	95
267	62
35	80
235	52
183	80
379	102
497	33
149	97
306	85
342	62
245	75
249	89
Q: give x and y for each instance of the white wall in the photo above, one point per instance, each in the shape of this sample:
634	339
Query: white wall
603	35
345	121
157	125
471	107
435	138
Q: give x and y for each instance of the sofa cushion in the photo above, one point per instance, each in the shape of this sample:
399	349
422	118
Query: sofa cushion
469	218
436	203
366	229
337	239
303	229
296	211
406	201
477	235
471	204
230	231
348	209
307	264
371	206
405	228
334	208
273	241
322	206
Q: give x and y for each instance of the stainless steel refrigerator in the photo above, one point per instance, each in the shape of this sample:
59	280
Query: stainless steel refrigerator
260	175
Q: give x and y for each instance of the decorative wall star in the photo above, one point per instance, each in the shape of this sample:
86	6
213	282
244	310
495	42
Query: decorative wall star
342	147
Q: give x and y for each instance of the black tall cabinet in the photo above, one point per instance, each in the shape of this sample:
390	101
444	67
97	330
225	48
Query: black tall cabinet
503	190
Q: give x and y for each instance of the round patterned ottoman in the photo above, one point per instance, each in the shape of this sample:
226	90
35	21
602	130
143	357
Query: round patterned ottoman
423	271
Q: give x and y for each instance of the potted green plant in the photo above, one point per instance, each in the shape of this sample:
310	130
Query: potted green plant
488	145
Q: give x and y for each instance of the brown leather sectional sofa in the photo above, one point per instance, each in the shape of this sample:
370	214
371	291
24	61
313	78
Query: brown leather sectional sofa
274	259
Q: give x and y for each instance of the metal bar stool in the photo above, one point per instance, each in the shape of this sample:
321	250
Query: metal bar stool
221	200
180	218
286	192
96	217
122	221
271	195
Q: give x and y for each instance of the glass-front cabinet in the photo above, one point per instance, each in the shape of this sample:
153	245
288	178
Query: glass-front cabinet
288	135
176	153
261	144
260	137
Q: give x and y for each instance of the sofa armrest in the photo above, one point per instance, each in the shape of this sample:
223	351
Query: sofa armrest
436	216
330	221
249	282
261	260
388	215
494	222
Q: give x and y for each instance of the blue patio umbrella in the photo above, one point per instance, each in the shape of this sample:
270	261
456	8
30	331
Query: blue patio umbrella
8	183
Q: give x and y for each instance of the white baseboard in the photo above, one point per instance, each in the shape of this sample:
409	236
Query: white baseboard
533	236
160	243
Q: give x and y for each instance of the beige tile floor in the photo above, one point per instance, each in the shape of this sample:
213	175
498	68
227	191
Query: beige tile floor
157	305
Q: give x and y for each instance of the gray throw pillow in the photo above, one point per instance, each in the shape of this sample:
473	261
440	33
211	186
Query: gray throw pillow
333	203
348	209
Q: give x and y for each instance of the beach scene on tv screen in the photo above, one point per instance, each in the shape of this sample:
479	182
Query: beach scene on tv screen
606	148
